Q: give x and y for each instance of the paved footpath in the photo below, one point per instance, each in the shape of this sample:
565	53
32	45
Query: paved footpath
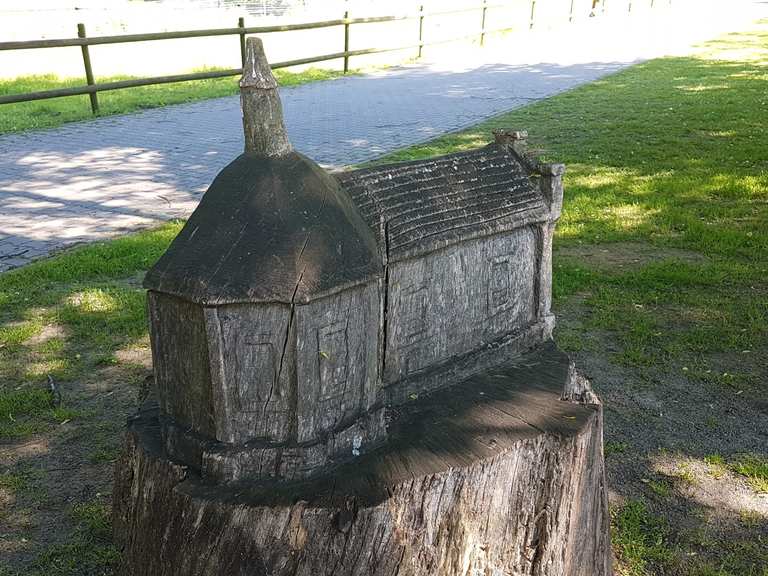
91	180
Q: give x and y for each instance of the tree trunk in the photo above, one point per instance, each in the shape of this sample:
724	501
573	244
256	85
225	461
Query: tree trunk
495	476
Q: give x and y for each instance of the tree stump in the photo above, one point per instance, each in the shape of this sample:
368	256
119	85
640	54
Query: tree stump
355	374
497	475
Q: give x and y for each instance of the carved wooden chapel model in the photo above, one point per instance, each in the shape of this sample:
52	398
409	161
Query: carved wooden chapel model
355	374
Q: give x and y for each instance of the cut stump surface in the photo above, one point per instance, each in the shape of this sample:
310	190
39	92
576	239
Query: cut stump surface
495	476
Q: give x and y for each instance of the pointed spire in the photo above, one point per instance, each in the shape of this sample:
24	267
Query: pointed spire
265	133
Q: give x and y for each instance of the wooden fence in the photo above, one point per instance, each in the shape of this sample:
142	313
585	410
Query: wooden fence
92	88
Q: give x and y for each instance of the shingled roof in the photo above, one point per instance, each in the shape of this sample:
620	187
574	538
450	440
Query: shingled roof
418	207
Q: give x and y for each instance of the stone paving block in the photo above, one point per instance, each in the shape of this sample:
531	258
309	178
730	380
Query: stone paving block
11	263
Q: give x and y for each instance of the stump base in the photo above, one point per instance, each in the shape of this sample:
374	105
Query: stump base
495	476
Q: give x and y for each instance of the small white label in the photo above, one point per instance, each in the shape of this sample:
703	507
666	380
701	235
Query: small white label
357	441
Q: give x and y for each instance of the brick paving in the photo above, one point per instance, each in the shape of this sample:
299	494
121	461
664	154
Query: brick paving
92	180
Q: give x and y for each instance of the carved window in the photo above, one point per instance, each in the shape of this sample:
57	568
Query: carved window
259	371
500	285
414	314
332	356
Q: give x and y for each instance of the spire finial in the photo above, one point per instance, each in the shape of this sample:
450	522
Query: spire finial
265	133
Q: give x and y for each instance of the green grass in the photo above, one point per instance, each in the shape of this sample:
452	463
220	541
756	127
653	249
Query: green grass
660	488
92	301
57	111
612	448
27	410
639	539
716	465
25	481
87	550
755	469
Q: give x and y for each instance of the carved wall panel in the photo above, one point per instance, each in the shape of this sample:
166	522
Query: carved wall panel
337	341
458	299
252	366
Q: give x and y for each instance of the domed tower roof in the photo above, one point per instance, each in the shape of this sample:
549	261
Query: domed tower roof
273	226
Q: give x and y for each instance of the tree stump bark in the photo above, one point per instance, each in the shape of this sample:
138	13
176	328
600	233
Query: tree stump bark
498	475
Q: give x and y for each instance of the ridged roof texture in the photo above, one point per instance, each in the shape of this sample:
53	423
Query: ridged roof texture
420	206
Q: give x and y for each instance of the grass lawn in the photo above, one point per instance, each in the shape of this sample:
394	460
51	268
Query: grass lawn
57	111
661	293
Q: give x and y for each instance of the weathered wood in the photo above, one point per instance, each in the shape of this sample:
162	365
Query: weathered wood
240	362
273	226
241	26
435	377
117	85
346	41
92	89
333	405
265	133
337	360
269	229
252	356
94	98
282	275
498	477
151	36
431	204
220	463
180	354
303	331
459	299
421	30
482	22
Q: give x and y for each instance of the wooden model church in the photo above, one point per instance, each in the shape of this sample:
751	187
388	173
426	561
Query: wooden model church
355	374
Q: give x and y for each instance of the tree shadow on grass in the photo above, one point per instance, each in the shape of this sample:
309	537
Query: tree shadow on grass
80	319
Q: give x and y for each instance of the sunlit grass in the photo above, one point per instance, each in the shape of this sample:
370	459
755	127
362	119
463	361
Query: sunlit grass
755	469
57	111
90	305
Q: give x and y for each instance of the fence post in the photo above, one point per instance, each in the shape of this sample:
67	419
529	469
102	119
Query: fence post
241	25
346	41
533	12
88	70
482	23
421	28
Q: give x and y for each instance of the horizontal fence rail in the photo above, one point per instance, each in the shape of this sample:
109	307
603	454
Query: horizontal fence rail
92	88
